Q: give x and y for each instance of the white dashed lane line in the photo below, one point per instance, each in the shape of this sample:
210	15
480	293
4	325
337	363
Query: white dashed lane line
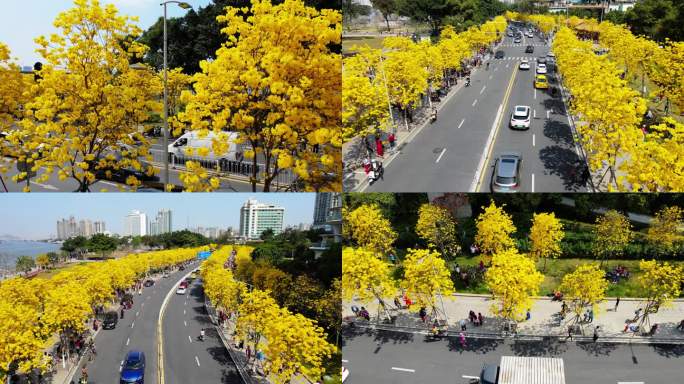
474	102
403	369
459	126
440	155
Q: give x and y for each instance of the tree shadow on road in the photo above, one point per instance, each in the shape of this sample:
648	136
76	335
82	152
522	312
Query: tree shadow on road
559	132
668	350
479	346
562	162
349	332
597	349
394	337
548	346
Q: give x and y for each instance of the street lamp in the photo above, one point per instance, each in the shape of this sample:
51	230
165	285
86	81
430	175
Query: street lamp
166	96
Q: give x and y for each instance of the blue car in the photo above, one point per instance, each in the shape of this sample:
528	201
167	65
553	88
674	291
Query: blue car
133	370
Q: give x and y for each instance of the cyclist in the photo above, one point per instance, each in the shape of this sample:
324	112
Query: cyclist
202	334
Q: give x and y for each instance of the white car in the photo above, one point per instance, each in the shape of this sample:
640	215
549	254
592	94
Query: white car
181	290
524	64
345	374
520	118
541	69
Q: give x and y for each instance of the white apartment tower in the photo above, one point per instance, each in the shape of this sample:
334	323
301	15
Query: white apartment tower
135	224
255	218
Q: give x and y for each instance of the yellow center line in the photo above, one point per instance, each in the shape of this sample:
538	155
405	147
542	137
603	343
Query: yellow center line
498	125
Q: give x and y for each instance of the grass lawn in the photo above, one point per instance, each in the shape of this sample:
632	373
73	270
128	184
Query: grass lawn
556	269
371	41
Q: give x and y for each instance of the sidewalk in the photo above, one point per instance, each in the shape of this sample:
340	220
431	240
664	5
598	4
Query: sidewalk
353	151
543	321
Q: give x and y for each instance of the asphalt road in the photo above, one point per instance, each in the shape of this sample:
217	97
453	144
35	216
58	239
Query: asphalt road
398	358
137	330
188	360
445	155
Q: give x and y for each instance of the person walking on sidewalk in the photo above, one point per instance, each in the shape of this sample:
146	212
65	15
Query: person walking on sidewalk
637	314
681	326
380	149
391	138
462	339
596	336
480	318
528	316
463	325
569	333
617	302
369	147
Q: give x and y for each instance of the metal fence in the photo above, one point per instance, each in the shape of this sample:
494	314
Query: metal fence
229	167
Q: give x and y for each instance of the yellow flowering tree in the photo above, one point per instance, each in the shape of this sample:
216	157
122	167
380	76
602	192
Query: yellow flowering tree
583	288
546	235
368	228
437	226
494	229
612	234
663	234
91	104
513	279
276	83
366	277
426	276
407	74
662	284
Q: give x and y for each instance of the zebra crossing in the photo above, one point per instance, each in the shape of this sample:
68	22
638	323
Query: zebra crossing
523	45
513	58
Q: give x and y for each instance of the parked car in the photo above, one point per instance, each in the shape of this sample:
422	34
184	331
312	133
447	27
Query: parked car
110	320
520	118
133	368
499	54
148	283
517	40
529	49
507	171
541	69
540	82
181	290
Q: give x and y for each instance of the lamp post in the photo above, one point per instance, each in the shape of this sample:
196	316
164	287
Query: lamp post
166	96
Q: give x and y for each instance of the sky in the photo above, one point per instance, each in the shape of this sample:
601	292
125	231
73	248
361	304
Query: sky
34	216
22	21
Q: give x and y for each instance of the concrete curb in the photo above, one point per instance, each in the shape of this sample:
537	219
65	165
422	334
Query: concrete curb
525	337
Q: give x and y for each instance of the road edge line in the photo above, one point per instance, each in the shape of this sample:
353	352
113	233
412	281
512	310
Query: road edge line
486	154
160	339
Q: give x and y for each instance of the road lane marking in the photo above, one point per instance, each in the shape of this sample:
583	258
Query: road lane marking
507	64
185	303
121	366
490	76
197	360
459	126
190	338
491	139
136	314
533	141
474	102
403	369
46	186
184	311
534	111
128	341
132	324
547	114
345	361
185	322
495	69
440	156
160	334
535	93
533	183
483	89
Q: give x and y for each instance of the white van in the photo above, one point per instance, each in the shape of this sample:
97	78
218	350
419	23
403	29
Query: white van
179	148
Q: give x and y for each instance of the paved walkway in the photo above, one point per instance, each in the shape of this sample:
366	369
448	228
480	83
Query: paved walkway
543	322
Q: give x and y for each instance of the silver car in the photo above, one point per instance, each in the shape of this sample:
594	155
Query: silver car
507	171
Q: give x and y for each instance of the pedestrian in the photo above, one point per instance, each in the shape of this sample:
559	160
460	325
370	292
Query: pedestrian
462	339
369	147
591	315
637	314
617	302
391	138
569	333
681	325
249	353
480	318
626	328
564	308
463	325
596	336
379	147
471	316
529	315
653	330
423	314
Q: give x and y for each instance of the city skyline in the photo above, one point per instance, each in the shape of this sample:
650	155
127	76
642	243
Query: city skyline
34	216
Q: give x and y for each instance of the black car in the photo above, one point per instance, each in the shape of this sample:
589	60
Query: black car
529	49
110	320
148	283
499	54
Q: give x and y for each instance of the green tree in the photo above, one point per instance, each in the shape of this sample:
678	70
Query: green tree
426	11
352	9
386	8
25	263
53	257
102	243
74	245
266	235
652	18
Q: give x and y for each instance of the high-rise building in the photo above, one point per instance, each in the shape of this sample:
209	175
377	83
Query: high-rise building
99	227
321	207
135	224
332	224
84	227
161	224
255	218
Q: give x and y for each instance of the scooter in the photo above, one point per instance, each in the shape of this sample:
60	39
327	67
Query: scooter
433	116
467	83
376	172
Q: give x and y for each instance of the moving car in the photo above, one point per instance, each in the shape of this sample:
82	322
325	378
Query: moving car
541	59
133	368
148	283
529	49
524	64
517	40
520	118
541	68
506	175
192	141
193	275
499	54
540	82
181	290
183	284
110	320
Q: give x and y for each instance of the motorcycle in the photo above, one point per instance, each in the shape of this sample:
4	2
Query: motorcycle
434	336
433	116
376	171
467	83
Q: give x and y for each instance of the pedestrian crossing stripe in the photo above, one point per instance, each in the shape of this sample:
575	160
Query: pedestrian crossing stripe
523	45
530	58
